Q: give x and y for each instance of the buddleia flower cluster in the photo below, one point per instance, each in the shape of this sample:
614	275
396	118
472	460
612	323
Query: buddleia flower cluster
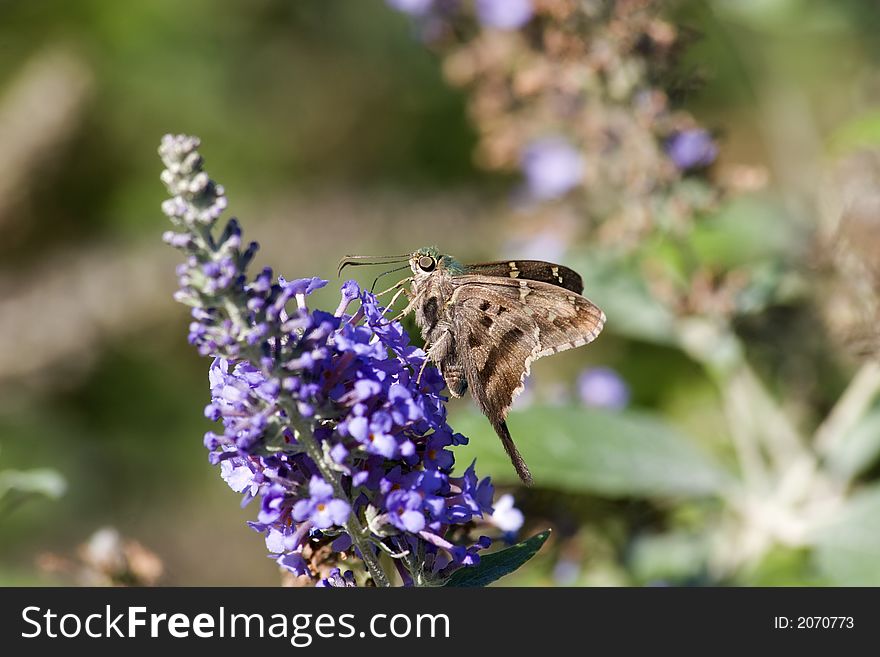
573	95
579	99
330	420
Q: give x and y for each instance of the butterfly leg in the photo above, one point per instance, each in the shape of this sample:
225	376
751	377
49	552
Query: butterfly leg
394	298
393	287
389	306
422	369
403	313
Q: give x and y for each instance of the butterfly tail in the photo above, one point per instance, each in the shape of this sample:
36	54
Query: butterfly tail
515	457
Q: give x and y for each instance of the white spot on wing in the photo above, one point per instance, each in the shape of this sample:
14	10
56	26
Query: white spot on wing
528	366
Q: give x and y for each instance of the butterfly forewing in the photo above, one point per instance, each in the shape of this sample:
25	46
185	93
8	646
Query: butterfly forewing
531	270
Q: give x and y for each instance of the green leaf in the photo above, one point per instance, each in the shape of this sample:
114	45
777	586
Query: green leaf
859	448
744	231
860	132
675	556
621	292
493	567
848	547
783	566
42	481
594	451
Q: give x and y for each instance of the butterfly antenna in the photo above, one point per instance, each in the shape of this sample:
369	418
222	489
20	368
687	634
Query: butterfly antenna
355	260
390	271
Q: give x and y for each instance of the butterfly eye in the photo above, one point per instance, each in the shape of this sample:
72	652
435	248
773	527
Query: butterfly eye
427	263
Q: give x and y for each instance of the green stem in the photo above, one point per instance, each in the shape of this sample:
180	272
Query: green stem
758	424
307	439
413	565
743	433
850	408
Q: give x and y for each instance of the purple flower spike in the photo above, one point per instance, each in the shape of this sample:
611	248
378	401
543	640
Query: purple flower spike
320	416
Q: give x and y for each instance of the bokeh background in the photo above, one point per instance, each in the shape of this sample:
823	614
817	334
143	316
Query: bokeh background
716	180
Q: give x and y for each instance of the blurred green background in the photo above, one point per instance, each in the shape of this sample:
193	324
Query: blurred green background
334	132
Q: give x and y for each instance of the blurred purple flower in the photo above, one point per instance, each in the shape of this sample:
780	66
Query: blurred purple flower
602	387
504	14
566	572
411	7
552	167
548	245
691	149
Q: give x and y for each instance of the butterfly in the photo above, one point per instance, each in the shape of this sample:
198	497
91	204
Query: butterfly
485	324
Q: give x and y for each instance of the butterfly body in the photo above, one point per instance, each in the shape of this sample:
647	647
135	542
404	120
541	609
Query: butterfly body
485	324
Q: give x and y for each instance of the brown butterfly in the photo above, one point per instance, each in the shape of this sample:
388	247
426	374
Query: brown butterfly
484	325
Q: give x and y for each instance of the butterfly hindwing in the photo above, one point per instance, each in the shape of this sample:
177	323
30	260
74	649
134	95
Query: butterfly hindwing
561	320
494	344
501	326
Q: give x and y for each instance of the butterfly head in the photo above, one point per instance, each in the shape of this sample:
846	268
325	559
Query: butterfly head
424	263
428	260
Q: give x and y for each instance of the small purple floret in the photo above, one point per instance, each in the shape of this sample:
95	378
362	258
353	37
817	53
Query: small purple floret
602	387
692	149
553	167
504	14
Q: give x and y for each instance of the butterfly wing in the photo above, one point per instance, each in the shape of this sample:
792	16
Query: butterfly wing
531	270
501	326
